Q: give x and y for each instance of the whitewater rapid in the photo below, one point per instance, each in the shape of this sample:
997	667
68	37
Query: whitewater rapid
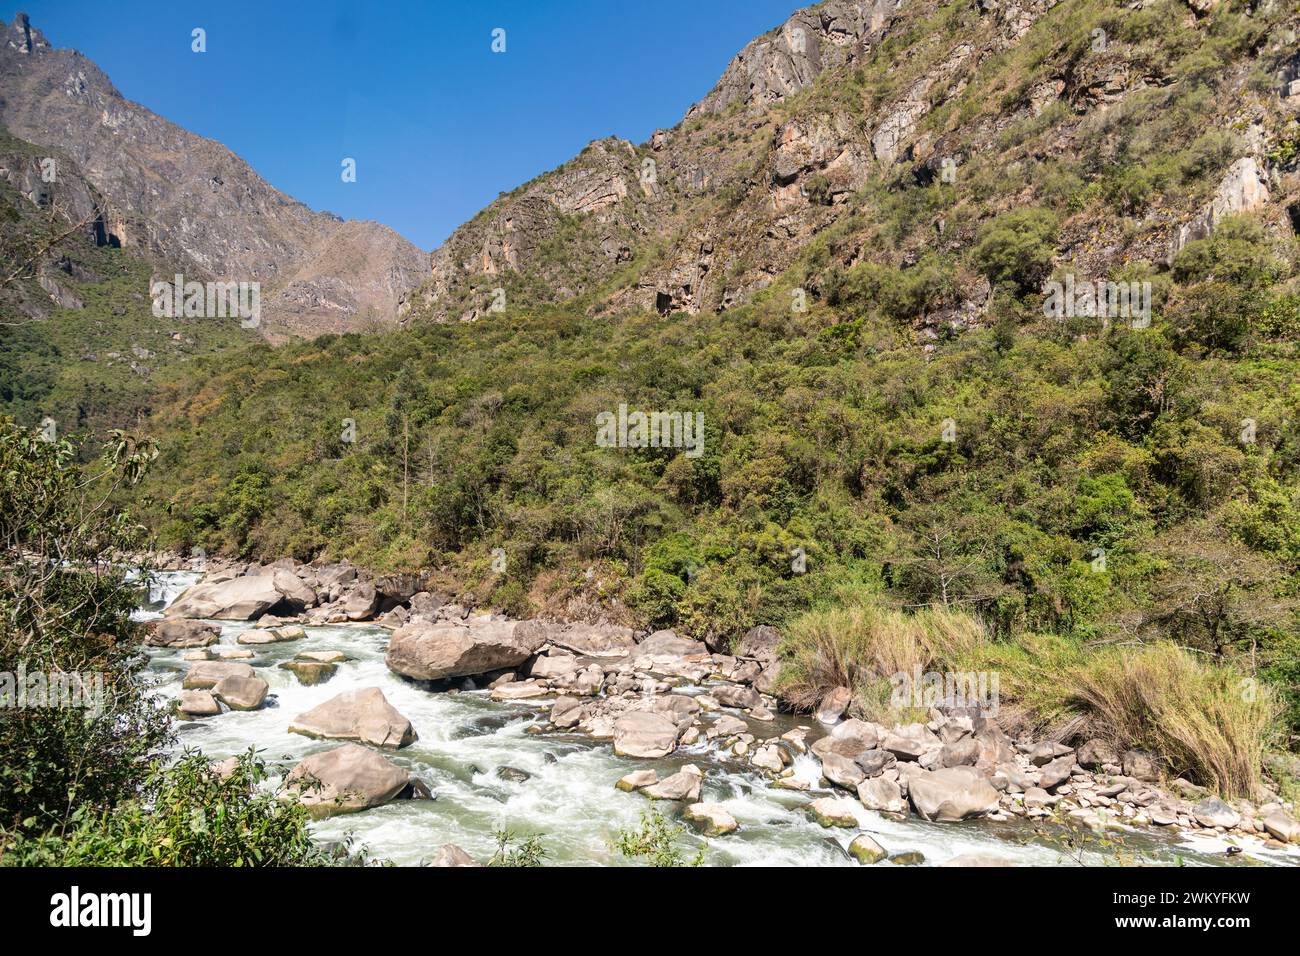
568	799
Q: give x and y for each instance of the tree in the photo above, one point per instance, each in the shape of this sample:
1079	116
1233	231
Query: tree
1215	594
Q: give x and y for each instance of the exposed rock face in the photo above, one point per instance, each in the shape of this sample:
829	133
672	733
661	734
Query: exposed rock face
790	58
362	715
1243	188
425	651
319	274
344	780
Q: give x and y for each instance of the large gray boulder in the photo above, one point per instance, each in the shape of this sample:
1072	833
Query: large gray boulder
683	785
425	651
642	733
181	632
591	640
239	599
951	794
882	794
670	644
205	675
361	715
241	693
1213	812
761	643
344	780
198	703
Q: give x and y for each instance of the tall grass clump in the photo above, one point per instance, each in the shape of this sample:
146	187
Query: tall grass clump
861	645
1206	721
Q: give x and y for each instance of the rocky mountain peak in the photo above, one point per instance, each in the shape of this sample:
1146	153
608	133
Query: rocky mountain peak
317	273
24	38
791	57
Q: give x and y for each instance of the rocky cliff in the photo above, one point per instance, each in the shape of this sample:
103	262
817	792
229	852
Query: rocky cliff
835	125
188	202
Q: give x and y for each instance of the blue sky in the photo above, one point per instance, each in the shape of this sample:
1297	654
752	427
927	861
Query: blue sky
438	123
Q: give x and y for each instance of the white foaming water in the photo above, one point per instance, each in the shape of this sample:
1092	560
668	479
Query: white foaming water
164	587
568	799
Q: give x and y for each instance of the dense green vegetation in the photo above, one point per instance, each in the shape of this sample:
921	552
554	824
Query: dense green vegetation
1117	507
90	784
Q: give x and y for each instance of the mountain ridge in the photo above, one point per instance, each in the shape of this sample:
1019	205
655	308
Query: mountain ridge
164	183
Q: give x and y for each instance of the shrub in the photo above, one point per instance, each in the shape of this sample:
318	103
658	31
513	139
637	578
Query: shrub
656	842
185	815
1017	248
64	608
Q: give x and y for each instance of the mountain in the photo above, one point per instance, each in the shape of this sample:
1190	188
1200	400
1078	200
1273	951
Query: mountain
165	187
79	343
827	127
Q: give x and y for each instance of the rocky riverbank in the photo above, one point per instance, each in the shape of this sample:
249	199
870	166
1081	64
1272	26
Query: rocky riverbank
649	696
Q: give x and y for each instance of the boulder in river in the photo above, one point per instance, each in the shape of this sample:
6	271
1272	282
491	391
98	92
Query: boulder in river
241	693
181	632
866	850
882	794
239	599
363	715
198	703
841	770
310	673
642	733
1215	813
834	812
950	794
1281	827
344	780
452	855
712	818
204	675
734	695
636	780
425	651
683	785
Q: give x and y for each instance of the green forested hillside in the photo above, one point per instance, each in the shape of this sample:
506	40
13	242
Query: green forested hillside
894	415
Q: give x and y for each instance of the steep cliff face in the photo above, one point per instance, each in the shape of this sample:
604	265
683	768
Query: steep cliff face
836	127
188	201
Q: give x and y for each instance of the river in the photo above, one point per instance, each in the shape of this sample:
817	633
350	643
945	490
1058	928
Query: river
568	799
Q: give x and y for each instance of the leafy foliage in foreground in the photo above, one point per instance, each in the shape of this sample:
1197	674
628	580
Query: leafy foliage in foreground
185	815
656	842
90	785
